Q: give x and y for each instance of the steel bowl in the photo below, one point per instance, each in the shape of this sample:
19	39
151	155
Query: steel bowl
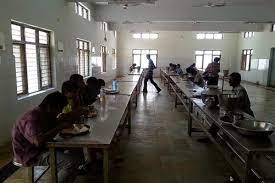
254	128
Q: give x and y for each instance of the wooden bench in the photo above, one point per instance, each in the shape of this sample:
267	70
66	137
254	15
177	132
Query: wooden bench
34	173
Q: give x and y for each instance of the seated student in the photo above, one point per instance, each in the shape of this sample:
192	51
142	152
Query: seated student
69	90
133	66
172	67
101	84
179	71
39	125
242	97
198	80
243	101
92	87
82	93
191	68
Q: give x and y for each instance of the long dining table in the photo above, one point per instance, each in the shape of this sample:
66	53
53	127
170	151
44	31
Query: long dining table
251	158
114	114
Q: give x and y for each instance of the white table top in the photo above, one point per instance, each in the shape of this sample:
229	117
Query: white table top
103	127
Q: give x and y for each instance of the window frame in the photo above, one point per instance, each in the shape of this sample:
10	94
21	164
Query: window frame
248	35
22	44
114	54
212	55
103	26
244	59
203	36
141	55
103	53
83	51
83	8
140	35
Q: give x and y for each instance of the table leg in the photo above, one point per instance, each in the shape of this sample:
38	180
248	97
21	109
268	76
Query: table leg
136	95
129	119
249	157
190	111
139	86
54	176
222	83
86	153
106	165
176	100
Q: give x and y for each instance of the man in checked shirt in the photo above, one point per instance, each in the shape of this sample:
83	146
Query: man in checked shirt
149	75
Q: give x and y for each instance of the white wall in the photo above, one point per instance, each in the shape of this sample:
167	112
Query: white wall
177	47
261	44
59	17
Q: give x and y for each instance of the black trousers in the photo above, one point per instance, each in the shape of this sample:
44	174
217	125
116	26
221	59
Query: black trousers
149	77
212	80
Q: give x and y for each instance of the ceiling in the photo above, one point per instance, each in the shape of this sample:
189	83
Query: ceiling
186	15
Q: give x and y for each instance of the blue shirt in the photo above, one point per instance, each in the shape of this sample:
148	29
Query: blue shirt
179	71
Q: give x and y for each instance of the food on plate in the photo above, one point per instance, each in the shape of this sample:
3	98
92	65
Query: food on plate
76	129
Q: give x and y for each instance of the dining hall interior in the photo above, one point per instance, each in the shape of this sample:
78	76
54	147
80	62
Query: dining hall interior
141	91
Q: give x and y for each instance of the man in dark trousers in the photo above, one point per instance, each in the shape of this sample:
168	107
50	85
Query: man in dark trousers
149	75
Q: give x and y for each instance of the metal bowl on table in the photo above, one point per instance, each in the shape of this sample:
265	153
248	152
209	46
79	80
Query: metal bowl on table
254	128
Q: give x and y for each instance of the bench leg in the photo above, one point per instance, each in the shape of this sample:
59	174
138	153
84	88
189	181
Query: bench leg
106	166
129	119
53	165
190	111
30	174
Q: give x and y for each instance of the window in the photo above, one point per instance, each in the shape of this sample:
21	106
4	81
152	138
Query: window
273	28
82	10
210	36
31	50
115	34
83	57
246	59
103	54
203	58
248	34
137	35
146	36
114	59
104	26
139	57
93	50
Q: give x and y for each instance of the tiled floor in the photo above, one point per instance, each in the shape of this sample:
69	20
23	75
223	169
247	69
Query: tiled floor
159	149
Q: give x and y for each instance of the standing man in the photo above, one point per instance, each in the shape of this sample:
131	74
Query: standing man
212	72
149	75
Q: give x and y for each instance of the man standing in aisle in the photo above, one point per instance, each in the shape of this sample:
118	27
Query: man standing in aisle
149	75
211	73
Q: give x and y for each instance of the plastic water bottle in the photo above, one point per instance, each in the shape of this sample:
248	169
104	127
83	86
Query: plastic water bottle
114	85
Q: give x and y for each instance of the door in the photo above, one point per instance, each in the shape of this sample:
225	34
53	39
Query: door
271	71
